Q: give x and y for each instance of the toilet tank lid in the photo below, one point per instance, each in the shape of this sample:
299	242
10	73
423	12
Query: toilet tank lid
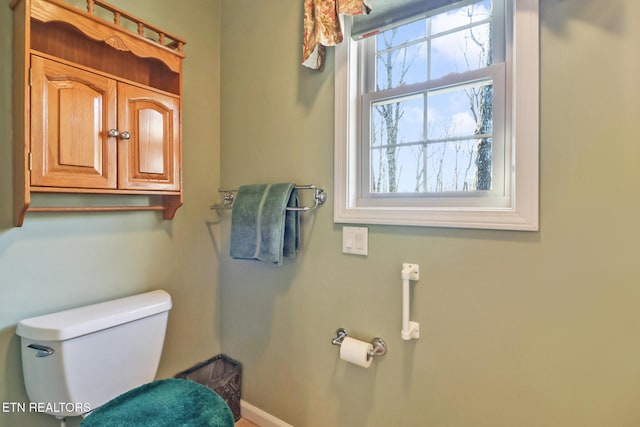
67	324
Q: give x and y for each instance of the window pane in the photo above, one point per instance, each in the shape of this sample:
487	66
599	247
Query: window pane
461	51
405	65
460	112
397	169
461	16
397	121
450	166
454	165
402	34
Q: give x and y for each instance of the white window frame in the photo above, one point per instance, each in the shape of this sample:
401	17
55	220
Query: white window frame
520	212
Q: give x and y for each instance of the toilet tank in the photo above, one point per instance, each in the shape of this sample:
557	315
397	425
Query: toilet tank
96	352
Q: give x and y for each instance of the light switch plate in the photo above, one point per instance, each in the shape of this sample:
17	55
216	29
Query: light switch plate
355	240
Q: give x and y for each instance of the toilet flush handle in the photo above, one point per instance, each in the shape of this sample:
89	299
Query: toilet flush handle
43	351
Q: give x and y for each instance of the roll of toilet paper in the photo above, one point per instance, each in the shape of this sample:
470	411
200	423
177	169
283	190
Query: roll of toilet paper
356	351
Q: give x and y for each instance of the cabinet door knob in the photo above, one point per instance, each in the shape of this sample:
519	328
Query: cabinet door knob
125	135
113	132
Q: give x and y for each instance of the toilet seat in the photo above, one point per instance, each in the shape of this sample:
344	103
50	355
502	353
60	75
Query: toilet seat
164	403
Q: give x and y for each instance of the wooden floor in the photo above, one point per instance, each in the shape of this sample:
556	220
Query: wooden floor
244	423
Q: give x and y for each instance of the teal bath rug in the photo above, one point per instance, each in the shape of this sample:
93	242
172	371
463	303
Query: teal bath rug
164	403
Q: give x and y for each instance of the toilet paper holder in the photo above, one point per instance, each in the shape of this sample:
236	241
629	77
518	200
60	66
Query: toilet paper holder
379	346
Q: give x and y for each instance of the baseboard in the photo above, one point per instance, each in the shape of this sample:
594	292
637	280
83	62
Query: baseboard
260	417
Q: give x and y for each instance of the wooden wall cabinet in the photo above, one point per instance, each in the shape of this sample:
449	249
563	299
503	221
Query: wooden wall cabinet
97	107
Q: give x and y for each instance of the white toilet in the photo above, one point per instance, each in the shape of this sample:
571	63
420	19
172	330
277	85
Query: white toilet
76	360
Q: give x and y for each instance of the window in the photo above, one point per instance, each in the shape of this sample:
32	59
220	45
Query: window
437	119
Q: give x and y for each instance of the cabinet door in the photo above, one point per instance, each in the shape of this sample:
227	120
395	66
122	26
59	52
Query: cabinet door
150	157
71	113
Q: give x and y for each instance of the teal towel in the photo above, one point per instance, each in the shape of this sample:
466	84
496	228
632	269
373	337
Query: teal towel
261	226
164	403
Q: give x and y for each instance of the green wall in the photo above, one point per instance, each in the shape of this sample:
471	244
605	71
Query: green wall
517	328
57	261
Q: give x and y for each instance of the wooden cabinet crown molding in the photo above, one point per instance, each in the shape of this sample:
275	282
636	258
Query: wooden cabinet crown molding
148	42
82	126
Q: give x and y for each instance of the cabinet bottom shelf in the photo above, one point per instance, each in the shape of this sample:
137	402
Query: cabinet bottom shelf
94	208
167	204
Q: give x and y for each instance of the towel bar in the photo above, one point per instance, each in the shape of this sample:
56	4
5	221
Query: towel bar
319	197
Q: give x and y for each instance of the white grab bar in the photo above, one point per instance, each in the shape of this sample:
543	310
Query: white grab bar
409	329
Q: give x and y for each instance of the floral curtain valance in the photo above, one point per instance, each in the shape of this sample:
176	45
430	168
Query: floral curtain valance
322	27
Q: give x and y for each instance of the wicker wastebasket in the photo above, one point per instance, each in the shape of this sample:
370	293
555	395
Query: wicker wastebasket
221	374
